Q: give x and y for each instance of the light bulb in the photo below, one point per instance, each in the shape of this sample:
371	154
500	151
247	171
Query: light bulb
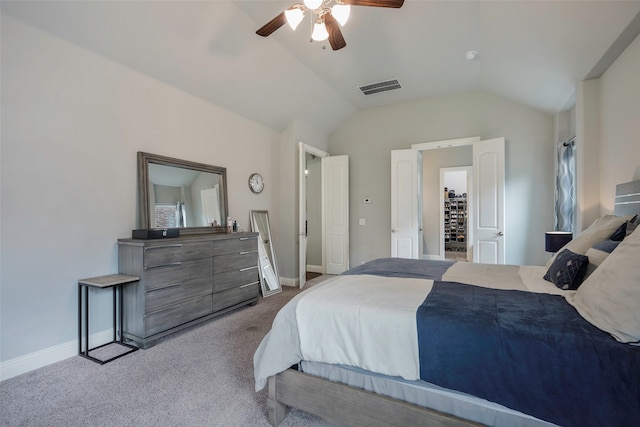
313	4
319	31
341	13
294	17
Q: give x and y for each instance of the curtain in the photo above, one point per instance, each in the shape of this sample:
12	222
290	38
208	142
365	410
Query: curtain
565	186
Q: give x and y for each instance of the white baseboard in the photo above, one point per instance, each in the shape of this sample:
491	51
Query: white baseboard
47	356
287	281
433	257
315	269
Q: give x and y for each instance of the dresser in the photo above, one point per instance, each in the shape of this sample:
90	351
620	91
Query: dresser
185	280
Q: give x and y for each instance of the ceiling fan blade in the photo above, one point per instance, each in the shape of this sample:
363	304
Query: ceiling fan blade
272	25
335	35
376	3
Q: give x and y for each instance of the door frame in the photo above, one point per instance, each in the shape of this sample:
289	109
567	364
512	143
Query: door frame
303	149
435	145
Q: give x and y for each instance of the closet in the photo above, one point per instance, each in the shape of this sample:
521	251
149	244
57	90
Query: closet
455	222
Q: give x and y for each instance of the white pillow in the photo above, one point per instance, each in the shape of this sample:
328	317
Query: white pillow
601	229
610	298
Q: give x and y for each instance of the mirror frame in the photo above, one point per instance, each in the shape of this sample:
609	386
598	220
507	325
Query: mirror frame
274	265
144	159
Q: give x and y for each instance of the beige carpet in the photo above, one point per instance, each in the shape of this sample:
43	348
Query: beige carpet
201	376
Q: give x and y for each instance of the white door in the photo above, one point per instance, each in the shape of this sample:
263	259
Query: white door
406	203
488	182
335	198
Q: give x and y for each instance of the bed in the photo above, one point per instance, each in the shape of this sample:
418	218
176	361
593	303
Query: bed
417	342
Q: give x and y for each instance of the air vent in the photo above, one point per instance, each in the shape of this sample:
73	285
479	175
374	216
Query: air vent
380	87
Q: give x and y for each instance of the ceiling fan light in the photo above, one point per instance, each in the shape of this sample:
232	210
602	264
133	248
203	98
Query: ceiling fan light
341	13
294	16
313	4
320	32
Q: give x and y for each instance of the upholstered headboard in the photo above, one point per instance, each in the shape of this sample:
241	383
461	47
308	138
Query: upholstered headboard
628	200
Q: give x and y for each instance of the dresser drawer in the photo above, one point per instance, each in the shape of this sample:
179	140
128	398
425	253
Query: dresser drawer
234	279
161	320
235	296
181	271
235	245
167	254
174	293
235	262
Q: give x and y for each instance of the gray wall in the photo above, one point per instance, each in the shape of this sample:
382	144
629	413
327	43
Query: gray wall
367	137
73	121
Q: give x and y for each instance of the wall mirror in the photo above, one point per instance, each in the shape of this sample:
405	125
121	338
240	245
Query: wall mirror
269	277
175	193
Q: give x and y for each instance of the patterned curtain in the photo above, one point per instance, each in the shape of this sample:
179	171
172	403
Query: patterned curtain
565	186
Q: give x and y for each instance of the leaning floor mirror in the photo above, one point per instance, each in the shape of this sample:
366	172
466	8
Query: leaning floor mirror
269	277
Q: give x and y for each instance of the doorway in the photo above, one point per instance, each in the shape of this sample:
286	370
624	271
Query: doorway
313	219
455	216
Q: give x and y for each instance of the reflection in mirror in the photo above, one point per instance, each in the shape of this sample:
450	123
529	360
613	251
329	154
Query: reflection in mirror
183	194
269	277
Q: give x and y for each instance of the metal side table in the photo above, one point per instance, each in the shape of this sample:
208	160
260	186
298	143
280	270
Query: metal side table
115	281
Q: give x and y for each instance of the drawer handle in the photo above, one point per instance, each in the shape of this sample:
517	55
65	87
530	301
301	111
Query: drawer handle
249	284
173	285
247	238
177	245
173	264
247	252
248	268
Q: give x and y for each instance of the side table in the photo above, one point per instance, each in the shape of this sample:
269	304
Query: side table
115	281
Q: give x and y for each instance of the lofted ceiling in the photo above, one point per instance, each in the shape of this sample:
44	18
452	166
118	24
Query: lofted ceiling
532	52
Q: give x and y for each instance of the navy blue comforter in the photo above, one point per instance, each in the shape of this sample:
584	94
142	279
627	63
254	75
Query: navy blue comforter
403	267
530	352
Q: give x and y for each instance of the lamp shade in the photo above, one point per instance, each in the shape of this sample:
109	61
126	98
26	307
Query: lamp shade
554	240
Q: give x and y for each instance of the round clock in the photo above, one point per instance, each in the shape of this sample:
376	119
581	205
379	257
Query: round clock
256	183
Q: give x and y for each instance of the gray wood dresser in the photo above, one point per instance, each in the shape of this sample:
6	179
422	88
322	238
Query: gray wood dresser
185	280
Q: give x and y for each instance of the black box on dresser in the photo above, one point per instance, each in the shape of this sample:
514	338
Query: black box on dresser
185	280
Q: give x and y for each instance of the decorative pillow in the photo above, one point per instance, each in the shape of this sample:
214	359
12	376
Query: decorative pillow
597	232
568	270
600	251
620	233
609	298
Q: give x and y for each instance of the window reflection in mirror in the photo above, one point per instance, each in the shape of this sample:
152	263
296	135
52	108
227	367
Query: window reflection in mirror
181	197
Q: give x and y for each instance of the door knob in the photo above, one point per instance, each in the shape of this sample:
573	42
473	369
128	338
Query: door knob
500	233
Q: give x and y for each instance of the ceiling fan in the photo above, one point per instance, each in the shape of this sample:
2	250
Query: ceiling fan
330	15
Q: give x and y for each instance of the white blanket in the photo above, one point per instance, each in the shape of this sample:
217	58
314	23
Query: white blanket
369	321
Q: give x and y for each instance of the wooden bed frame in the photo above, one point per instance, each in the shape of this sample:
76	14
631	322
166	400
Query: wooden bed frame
341	404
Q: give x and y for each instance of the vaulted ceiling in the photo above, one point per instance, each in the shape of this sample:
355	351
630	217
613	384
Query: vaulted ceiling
532	52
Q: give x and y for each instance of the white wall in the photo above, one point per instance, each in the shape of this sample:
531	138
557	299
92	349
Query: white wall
367	137
619	150
72	123
607	128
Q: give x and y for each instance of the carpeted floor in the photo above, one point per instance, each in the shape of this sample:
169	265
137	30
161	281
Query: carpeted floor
201	376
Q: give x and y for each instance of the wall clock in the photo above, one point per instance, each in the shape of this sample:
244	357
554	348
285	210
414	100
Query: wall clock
256	183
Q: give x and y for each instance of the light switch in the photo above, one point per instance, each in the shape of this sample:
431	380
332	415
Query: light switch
362	221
